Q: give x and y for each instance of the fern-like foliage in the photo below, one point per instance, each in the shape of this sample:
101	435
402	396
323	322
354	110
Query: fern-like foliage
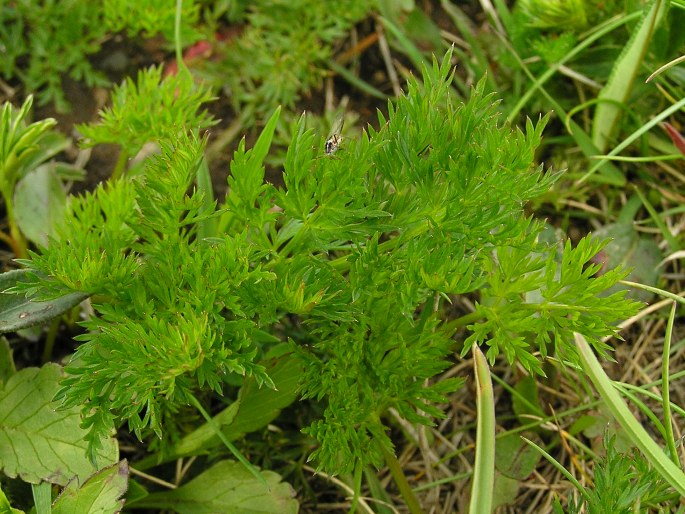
43	41
174	313
284	50
152	17
363	248
152	108
535	304
55	38
623	484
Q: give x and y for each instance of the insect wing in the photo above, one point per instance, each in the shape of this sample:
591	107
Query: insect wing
334	138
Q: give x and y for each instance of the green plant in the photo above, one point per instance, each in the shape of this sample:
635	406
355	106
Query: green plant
284	51
23	147
44	40
623	484
151	18
429	209
56	38
152	109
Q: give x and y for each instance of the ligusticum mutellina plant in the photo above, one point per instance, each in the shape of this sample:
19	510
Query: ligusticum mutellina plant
353	262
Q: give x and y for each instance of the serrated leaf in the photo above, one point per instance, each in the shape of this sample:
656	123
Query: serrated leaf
100	494
17	311
227	487
40	203
38	441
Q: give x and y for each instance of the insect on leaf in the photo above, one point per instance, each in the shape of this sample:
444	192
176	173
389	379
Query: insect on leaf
334	138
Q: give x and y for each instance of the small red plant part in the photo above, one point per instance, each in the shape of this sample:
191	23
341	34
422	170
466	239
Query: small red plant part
203	50
200	50
677	138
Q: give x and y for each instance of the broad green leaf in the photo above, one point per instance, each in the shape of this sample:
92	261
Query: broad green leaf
260	405
515	462
505	490
527	401
199	440
100	494
135	491
38	441
17	311
598	423
255	408
39	204
515	459
227	487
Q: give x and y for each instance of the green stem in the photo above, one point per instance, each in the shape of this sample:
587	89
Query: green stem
401	481
120	166
177	36
462	321
50	339
10	242
231	447
18	242
341	264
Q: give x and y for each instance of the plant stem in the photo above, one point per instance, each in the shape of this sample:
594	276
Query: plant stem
401	481
462	321
50	339
120	166
10	242
18	243
178	45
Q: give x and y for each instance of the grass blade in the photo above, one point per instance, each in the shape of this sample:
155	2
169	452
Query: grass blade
484	468
635	135
665	393
619	85
636	432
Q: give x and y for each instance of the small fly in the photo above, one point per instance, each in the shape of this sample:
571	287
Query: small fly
334	139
